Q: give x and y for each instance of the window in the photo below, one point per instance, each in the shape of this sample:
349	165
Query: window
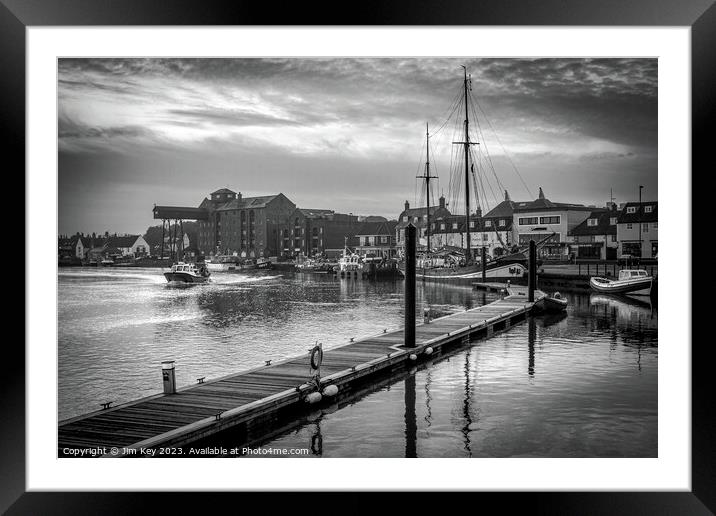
526	221
472	223
454	225
488	223
612	221
405	218
484	236
592	238
384	240
629	226
442	226
614	238
645	228
549	220
592	222
647	209
502	222
631	209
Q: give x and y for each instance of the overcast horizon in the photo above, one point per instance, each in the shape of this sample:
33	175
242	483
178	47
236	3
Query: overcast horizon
343	134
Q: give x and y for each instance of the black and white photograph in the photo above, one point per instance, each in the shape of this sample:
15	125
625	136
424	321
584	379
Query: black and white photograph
438	257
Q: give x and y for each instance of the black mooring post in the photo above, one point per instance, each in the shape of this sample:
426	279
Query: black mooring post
410	286
532	276
484	265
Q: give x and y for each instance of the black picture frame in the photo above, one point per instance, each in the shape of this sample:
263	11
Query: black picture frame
700	15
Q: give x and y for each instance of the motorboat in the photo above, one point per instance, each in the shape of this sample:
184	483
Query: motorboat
187	273
630	281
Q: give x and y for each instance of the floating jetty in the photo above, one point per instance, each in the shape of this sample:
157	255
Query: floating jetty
258	396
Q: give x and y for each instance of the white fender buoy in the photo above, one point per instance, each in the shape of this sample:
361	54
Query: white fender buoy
428	351
314	398
330	390
413	357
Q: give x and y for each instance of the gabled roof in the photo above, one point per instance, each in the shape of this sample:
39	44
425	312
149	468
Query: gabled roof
247	202
504	209
376	228
311	213
639	215
603	226
223	191
122	241
544	204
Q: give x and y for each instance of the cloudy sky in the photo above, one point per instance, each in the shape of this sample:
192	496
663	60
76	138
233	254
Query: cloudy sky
344	134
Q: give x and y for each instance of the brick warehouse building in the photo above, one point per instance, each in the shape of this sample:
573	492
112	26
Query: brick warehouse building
312	232
243	226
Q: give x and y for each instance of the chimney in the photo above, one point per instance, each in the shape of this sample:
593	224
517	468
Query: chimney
541	193
238	196
507	196
478	212
442	201
407	205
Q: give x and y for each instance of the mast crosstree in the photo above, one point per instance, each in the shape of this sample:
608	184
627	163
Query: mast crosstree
466	144
427	178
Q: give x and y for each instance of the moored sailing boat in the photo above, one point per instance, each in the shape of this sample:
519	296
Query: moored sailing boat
461	265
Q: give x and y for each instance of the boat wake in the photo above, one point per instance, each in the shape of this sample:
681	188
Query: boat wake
152	278
239	279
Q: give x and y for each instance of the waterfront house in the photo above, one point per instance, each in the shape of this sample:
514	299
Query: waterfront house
536	220
418	217
497	226
376	239
596	236
638	230
450	231
129	245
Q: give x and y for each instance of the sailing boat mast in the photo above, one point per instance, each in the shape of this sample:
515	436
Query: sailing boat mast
466	144
427	178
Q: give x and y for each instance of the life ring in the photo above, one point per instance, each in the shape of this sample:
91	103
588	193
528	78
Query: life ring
316	357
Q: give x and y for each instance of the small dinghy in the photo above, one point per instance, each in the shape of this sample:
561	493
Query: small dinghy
553	304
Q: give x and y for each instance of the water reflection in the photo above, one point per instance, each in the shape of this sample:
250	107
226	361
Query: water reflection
595	396
411	421
531	336
466	405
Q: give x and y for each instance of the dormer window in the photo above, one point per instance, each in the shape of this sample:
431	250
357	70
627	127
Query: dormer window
647	209
631	209
592	222
612	221
502	222
488	223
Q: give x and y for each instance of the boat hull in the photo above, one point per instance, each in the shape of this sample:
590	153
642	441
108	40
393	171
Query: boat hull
473	272
634	287
183	277
553	305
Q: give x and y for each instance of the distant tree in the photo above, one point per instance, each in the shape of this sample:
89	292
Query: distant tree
153	236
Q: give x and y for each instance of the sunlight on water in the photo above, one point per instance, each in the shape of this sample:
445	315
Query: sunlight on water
582	384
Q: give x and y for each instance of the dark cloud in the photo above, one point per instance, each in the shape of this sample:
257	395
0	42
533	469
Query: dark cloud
314	127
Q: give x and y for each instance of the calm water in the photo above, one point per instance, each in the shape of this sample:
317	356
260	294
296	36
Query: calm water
582	385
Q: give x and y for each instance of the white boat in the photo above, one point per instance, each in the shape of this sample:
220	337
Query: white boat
631	281
187	273
263	263
350	262
222	263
